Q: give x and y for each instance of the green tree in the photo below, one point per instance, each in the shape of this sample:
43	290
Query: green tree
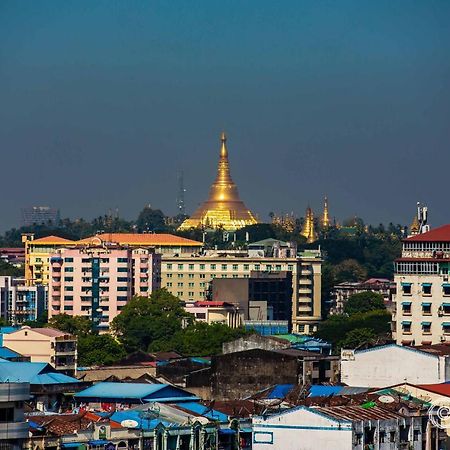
99	350
40	322
77	325
364	302
150	220
199	339
349	270
357	337
7	269
145	320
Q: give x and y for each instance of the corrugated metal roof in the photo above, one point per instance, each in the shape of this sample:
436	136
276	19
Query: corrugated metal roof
6	353
280	391
202	410
324	391
33	373
351	412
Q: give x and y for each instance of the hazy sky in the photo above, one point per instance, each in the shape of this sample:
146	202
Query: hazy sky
102	102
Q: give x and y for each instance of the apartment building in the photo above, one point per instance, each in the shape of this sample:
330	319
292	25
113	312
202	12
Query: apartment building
422	299
20	303
98	280
188	277
38	251
45	345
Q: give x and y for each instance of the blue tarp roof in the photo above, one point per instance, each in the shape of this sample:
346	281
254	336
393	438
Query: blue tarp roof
144	424
6	353
280	391
133	391
323	391
33	373
204	411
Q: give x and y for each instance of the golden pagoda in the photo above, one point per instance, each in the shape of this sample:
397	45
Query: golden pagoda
223	209
308	230
325	219
414	227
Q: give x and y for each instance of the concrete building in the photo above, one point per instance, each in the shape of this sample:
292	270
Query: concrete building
349	427
40	215
97	280
20	303
342	291
13	426
45	345
393	364
216	312
188	277
422	300
38	251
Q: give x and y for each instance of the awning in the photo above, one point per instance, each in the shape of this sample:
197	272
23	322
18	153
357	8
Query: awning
245	430
445	304
406	284
425	323
406	322
98	442
426	284
426	304
446	324
72	445
446	285
227	431
406	303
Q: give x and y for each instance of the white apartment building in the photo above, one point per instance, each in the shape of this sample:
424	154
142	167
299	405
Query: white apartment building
188	277
422	299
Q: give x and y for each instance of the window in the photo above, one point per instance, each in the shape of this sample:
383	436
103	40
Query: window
191	285
235	266
68	259
105	260
290	267
191	266
406	327
180	294
426	327
68	269
392	436
445	309
257	266
122	260
143	280
382	436
213	267
446	327
202	267
180	284
235	275
69	288
202	275
68	308
122	288
224	275
180	275
191	294
269	267
426	289
200	316
122	269
68	279
169	284
122	299
246	266
180	266
68	297
169	275
169	266
446	289
406	288
416	434
6	414
122	279
426	309
85	260
278	267
406	308
191	275
224	267
358	438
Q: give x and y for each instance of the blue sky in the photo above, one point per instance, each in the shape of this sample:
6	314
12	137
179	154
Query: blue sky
103	102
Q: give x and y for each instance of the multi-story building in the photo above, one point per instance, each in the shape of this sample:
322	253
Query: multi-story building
216	312
342	291
98	280
38	251
422	299
40	215
45	345
20	303
188	277
13	426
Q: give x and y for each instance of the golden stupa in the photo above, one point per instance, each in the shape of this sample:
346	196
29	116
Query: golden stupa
223	209
325	220
308	230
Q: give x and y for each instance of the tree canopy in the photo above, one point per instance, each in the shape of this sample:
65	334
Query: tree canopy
77	325
363	302
99	350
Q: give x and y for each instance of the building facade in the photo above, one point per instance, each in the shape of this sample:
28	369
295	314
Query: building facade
422	299
97	280
38	251
20	303
45	345
216	312
188	278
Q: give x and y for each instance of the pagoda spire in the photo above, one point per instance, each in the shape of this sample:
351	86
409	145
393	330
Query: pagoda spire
325	220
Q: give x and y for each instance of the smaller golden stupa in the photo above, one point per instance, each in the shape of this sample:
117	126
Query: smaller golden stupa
414	228
308	230
223	209
325	220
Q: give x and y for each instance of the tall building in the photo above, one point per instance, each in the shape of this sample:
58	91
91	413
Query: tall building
38	251
422	299
20	303
223	209
40	215
188	277
97	281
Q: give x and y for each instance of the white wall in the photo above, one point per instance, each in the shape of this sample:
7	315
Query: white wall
301	429
390	365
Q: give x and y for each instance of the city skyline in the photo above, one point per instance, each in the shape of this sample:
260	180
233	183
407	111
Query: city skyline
104	104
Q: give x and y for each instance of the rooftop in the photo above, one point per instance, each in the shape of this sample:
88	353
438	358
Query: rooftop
439	234
163	239
33	373
56	240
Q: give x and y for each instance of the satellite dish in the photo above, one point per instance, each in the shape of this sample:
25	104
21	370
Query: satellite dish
129	423
386	399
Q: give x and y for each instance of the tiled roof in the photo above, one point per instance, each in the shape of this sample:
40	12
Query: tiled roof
354	412
439	234
52	240
441	389
50	332
163	239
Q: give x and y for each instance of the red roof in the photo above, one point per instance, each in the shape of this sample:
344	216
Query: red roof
442	388
439	234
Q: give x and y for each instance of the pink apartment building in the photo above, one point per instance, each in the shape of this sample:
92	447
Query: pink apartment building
98	281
